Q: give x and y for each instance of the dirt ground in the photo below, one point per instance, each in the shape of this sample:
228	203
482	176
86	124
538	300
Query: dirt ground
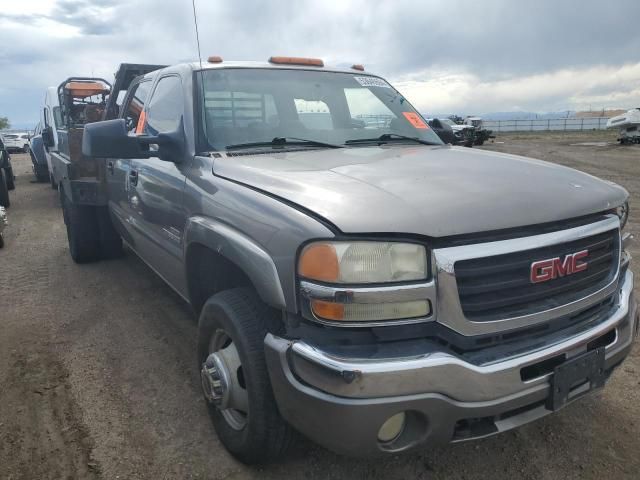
97	374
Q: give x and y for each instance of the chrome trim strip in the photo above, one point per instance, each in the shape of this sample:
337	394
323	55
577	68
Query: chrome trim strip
449	310
454	377
381	294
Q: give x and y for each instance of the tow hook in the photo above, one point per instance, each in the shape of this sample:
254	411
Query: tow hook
215	381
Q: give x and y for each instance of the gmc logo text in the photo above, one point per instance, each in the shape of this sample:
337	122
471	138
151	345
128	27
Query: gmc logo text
545	270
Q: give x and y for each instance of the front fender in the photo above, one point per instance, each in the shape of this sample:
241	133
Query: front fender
241	250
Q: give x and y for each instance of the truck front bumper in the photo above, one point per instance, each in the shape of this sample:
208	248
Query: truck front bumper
341	402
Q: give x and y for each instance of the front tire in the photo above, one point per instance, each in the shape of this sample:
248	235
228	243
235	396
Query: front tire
235	319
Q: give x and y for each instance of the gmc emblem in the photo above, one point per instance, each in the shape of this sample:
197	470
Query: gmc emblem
545	270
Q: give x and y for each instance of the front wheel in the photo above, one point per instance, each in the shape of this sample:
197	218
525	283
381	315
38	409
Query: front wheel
235	380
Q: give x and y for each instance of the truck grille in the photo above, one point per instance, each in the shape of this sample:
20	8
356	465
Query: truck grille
499	287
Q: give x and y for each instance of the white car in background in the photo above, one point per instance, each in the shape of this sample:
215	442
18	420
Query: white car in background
16	141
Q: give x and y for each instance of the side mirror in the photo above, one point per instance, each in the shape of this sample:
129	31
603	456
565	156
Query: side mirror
47	137
109	139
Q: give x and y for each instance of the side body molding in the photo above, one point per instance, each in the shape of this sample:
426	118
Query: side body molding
242	251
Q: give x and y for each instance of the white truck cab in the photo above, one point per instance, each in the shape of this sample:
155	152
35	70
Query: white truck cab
50	120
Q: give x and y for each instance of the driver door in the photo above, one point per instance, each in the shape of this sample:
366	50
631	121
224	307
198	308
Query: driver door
156	189
117	169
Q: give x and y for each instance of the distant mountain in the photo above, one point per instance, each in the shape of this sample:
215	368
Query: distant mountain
23	126
526	115
507	115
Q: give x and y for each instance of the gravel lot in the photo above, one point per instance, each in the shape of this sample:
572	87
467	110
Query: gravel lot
97	373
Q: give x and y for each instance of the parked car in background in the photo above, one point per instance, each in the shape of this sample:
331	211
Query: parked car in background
480	134
6	176
38	157
464	134
3	224
16	141
444	131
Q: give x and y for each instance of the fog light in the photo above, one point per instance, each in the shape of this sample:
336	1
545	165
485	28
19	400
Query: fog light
392	428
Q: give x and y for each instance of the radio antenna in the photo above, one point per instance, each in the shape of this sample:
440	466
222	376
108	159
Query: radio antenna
195	21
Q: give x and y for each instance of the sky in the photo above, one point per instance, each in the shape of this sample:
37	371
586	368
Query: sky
453	56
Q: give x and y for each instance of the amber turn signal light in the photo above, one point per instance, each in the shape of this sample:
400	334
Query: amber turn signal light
328	310
313	62
214	59
319	261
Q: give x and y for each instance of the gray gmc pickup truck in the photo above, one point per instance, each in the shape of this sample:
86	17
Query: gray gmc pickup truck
356	280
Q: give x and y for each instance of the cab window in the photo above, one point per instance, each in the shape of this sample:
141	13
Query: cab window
166	106
135	104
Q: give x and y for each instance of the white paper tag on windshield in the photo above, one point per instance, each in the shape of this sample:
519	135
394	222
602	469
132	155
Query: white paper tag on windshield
372	82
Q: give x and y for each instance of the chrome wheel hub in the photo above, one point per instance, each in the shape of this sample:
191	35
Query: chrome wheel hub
215	381
223	380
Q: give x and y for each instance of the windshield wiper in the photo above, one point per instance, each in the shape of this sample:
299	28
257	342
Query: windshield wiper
283	141
386	137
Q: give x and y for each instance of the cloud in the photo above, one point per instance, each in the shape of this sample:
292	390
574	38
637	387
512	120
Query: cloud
598	86
453	56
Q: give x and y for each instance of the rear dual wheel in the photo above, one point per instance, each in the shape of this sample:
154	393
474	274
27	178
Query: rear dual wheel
90	232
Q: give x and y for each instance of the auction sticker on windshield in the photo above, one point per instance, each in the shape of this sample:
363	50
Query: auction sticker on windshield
415	120
372	82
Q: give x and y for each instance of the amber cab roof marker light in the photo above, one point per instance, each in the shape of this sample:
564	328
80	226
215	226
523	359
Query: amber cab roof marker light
312	62
358	66
214	59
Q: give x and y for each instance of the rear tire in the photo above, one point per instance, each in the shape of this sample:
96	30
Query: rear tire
4	189
11	184
241	315
82	231
110	240
41	173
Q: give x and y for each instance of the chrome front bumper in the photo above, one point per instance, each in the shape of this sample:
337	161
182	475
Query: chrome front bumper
341	401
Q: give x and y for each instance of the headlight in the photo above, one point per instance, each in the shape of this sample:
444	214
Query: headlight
394	266
363	262
623	213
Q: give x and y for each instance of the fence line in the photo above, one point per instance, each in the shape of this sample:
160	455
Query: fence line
536	125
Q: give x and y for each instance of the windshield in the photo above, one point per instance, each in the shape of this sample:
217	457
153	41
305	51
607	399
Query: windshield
448	121
10	136
258	105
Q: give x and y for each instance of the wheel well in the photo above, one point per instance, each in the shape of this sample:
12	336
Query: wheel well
208	273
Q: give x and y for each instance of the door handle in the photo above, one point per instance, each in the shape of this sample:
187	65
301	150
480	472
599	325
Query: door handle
133	177
110	167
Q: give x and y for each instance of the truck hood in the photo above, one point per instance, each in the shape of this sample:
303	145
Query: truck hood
434	191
